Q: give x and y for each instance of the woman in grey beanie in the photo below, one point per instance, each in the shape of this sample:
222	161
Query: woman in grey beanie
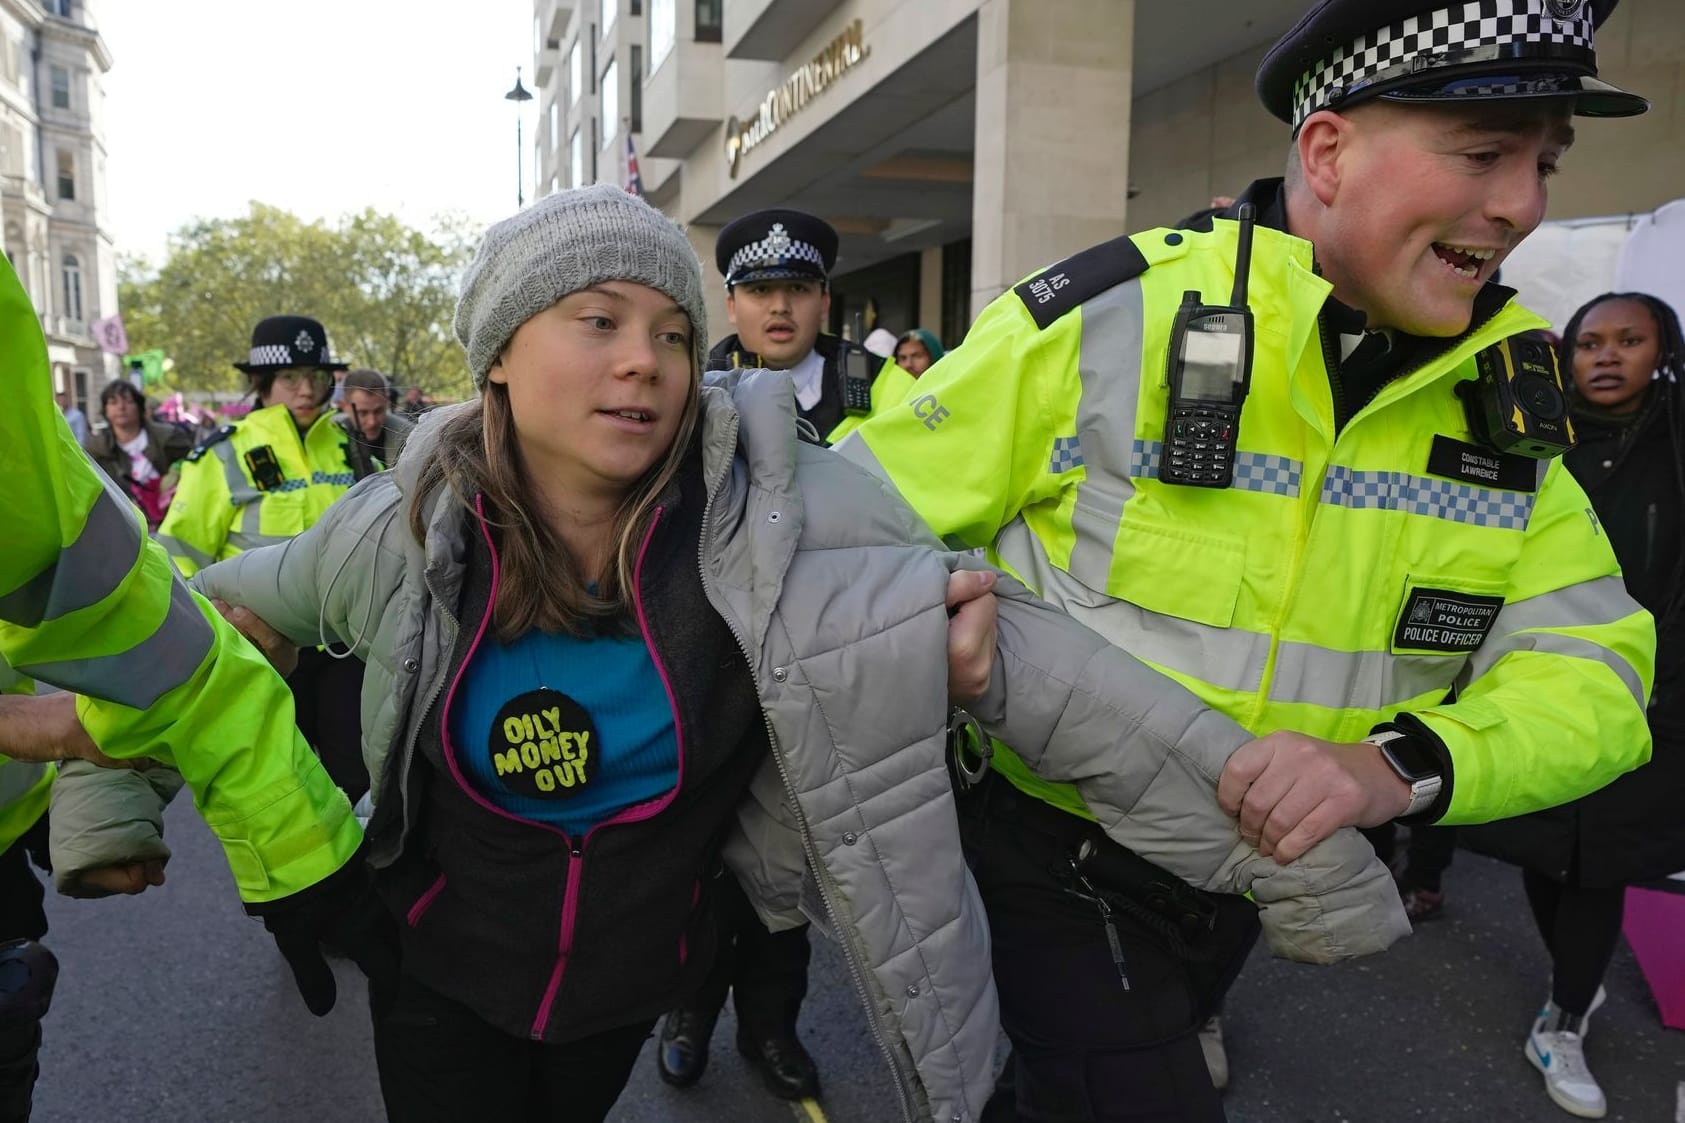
626	635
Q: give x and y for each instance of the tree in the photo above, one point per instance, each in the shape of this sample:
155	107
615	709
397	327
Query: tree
384	291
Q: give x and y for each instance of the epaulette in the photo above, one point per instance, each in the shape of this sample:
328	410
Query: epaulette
1059	288
206	445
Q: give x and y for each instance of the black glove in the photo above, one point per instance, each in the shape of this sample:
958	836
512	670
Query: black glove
343	912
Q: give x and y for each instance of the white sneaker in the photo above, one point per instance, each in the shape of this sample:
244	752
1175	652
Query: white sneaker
1216	1056
1550	1008
1561	1057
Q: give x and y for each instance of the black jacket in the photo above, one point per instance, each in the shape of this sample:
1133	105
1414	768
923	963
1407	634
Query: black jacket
483	899
827	413
1634	829
165	444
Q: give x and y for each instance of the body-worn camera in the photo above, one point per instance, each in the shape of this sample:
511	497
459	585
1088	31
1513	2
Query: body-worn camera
1517	405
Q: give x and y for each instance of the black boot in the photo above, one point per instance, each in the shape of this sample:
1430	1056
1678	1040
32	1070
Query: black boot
786	1067
27	974
683	1055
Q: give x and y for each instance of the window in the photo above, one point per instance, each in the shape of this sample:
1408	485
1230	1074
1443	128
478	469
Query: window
59	8
610	8
637	88
576	71
555	128
72	287
663	29
67	175
576	161
11	149
707	21
636	8
611	101
59	78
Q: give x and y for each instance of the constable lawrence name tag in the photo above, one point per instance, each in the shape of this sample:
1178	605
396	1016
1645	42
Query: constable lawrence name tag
1458	460
1444	620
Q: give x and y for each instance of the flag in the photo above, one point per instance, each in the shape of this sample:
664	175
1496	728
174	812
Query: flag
634	181
109	333
150	365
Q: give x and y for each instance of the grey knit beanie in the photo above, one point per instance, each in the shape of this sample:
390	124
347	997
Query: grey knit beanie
565	242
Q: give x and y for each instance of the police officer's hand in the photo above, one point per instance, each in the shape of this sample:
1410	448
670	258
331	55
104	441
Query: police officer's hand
971	634
1291	791
43	728
341	912
281	653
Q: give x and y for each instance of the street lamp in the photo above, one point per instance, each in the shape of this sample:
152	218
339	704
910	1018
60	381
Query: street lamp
518	95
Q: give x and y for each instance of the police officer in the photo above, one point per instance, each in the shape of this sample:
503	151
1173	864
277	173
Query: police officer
89	604
1415	621
265	479
777	268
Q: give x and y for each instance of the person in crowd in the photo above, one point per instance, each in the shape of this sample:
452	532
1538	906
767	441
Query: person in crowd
413	405
265	479
136	451
155	668
1324	564
377	431
1428	852
916	350
618	624
1627	358
73	416
777	266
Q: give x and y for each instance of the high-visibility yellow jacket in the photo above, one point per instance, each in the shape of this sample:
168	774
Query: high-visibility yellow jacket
226	502
889	388
1339	582
89	604
24	788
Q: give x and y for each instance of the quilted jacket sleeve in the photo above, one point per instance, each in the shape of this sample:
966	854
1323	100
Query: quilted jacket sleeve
1145	755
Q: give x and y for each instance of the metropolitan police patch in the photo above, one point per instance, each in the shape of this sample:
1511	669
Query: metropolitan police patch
1444	620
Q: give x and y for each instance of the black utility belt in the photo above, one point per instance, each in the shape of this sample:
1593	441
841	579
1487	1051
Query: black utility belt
1186	918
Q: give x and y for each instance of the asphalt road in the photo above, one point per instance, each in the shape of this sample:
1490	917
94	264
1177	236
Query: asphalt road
174	1008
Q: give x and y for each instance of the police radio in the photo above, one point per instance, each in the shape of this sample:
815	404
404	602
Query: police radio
856	383
1209	371
1517	405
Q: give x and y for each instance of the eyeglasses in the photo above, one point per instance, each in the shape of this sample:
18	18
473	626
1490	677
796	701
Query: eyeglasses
296	377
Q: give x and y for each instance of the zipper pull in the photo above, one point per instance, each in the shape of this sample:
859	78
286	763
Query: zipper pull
1112	940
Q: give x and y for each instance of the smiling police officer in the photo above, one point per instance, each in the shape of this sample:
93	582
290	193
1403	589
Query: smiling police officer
1263	455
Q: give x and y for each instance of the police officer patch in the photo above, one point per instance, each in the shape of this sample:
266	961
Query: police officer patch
543	745
1565	9
1444	620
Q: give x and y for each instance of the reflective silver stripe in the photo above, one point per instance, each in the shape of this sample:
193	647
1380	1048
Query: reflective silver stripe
1227	658
1253	471
86	571
1420	495
176	548
145	672
240	491
240	540
16	778
1358	680
1518	627
1109	365
337	479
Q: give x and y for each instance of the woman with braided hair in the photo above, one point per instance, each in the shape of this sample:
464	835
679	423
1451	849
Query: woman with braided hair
1626	356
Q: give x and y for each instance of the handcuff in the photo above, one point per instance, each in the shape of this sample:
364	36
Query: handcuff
960	723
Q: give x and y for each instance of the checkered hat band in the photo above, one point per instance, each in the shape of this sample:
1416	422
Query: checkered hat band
767	254
280	355
1471	31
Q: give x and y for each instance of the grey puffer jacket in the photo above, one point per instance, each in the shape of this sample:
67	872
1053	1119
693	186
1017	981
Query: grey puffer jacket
837	593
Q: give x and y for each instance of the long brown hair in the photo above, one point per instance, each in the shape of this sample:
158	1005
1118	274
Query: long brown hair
540	585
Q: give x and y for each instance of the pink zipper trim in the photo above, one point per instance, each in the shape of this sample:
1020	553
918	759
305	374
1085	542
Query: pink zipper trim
637	813
424	902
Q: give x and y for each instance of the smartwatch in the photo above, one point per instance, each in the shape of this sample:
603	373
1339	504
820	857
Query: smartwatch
1412	763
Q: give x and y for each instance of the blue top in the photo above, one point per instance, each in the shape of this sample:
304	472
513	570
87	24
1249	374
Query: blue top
565	730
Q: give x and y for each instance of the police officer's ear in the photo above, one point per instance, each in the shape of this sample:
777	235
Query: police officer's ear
731	304
824	304
1322	140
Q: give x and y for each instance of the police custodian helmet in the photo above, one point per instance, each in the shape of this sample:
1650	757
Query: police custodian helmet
1344	52
775	245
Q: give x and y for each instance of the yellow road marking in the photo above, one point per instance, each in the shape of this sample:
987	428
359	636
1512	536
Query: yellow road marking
808	1110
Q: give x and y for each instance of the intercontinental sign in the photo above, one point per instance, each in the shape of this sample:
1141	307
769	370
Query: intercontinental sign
787	98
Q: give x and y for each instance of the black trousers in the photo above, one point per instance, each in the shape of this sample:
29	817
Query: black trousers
21	914
766	972
439	1062
1086	1047
328	700
1427	854
1581	928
